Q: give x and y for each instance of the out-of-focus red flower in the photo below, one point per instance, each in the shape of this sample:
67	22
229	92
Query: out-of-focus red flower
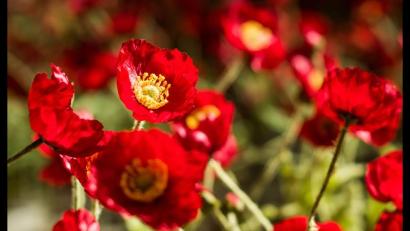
384	178
124	22
151	176
53	119
208	126
299	223
363	44
211	32
82	6
310	77
255	31
370	102
313	27
373	11
157	85
90	66
391	221
80	220
320	130
191	15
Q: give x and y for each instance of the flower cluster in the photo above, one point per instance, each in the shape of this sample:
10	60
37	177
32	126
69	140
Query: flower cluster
185	136
147	170
384	182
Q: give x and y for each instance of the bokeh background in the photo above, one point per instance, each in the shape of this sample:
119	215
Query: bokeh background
84	37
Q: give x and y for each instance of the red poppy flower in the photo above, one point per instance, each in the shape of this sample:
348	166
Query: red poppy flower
384	178
299	223
53	119
208	126
370	102
391	221
255	31
80	220
151	176
90	66
320	130
157	85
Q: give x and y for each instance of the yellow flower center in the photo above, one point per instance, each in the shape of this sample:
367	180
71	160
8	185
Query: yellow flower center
255	36
151	90
206	112
316	79
144	183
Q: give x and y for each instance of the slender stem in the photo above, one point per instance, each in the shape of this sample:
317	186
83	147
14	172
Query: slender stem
221	218
330	169
209	178
216	209
77	194
233	221
74	196
253	208
96	209
230	75
25	151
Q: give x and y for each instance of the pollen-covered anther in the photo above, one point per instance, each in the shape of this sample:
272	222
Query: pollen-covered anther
151	90
144	183
206	112
255	36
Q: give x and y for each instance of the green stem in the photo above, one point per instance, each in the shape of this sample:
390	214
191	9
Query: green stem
233	221
77	194
74	196
253	208
230	75
209	178
329	172
221	218
25	151
96	209
216	209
